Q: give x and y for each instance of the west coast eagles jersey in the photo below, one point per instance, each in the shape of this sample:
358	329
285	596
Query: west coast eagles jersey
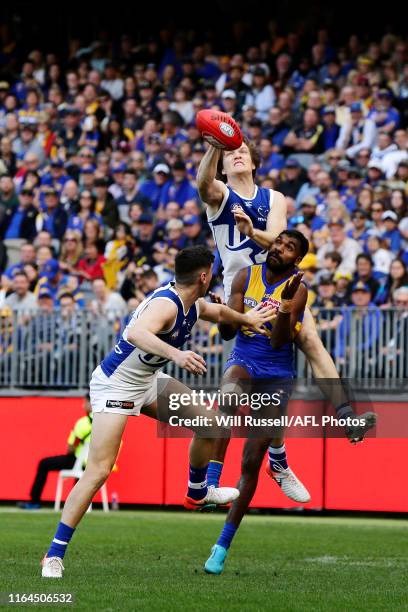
251	345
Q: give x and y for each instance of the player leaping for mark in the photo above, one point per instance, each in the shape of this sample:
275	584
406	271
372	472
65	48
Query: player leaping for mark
245	219
126	383
268	358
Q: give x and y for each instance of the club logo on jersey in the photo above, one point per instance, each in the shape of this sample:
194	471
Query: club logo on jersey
249	301
236	207
226	129
263	211
120	404
175	334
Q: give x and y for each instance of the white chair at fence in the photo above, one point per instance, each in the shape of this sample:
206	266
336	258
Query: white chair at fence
76	472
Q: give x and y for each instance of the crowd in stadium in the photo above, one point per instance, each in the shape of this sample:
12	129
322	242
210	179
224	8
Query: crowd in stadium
99	153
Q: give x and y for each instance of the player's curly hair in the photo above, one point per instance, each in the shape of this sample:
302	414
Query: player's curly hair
255	157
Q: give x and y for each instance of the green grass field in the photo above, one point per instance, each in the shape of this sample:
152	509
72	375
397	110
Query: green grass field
153	561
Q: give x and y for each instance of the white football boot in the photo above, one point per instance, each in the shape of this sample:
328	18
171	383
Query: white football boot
52	567
289	483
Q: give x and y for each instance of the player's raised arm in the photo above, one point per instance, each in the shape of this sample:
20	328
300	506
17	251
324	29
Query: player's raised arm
293	303
160	315
231	317
211	190
275	223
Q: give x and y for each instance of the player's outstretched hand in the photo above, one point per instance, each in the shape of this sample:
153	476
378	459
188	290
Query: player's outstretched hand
258	316
243	221
192	362
216	299
292	286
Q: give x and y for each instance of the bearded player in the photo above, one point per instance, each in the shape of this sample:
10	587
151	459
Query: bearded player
265	362
245	219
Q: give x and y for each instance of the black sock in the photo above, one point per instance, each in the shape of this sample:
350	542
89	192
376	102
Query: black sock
344	410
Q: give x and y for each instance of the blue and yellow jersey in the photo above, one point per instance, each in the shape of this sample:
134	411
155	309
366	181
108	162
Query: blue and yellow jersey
255	348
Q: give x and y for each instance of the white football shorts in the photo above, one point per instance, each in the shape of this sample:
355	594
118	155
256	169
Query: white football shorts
128	399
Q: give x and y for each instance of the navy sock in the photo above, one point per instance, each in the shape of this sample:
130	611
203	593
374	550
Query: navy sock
344	410
61	540
197	482
277	458
227	534
214	473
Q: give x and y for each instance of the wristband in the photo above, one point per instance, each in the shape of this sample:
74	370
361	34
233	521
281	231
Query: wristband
286	306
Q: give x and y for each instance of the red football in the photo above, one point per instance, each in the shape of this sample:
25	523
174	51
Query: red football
219	129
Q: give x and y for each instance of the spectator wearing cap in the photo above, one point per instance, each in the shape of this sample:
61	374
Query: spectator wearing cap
364	273
308	215
384	115
118	174
374	173
261	94
308	138
348	248
331	129
342	280
146	236
193	230
293	178
155	190
51	277
70	132
86	177
180	188
358	231
357	133
367	321
53	218
20	221
28	142
350	191
269	160
391	236
326	309
229	101
57	176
